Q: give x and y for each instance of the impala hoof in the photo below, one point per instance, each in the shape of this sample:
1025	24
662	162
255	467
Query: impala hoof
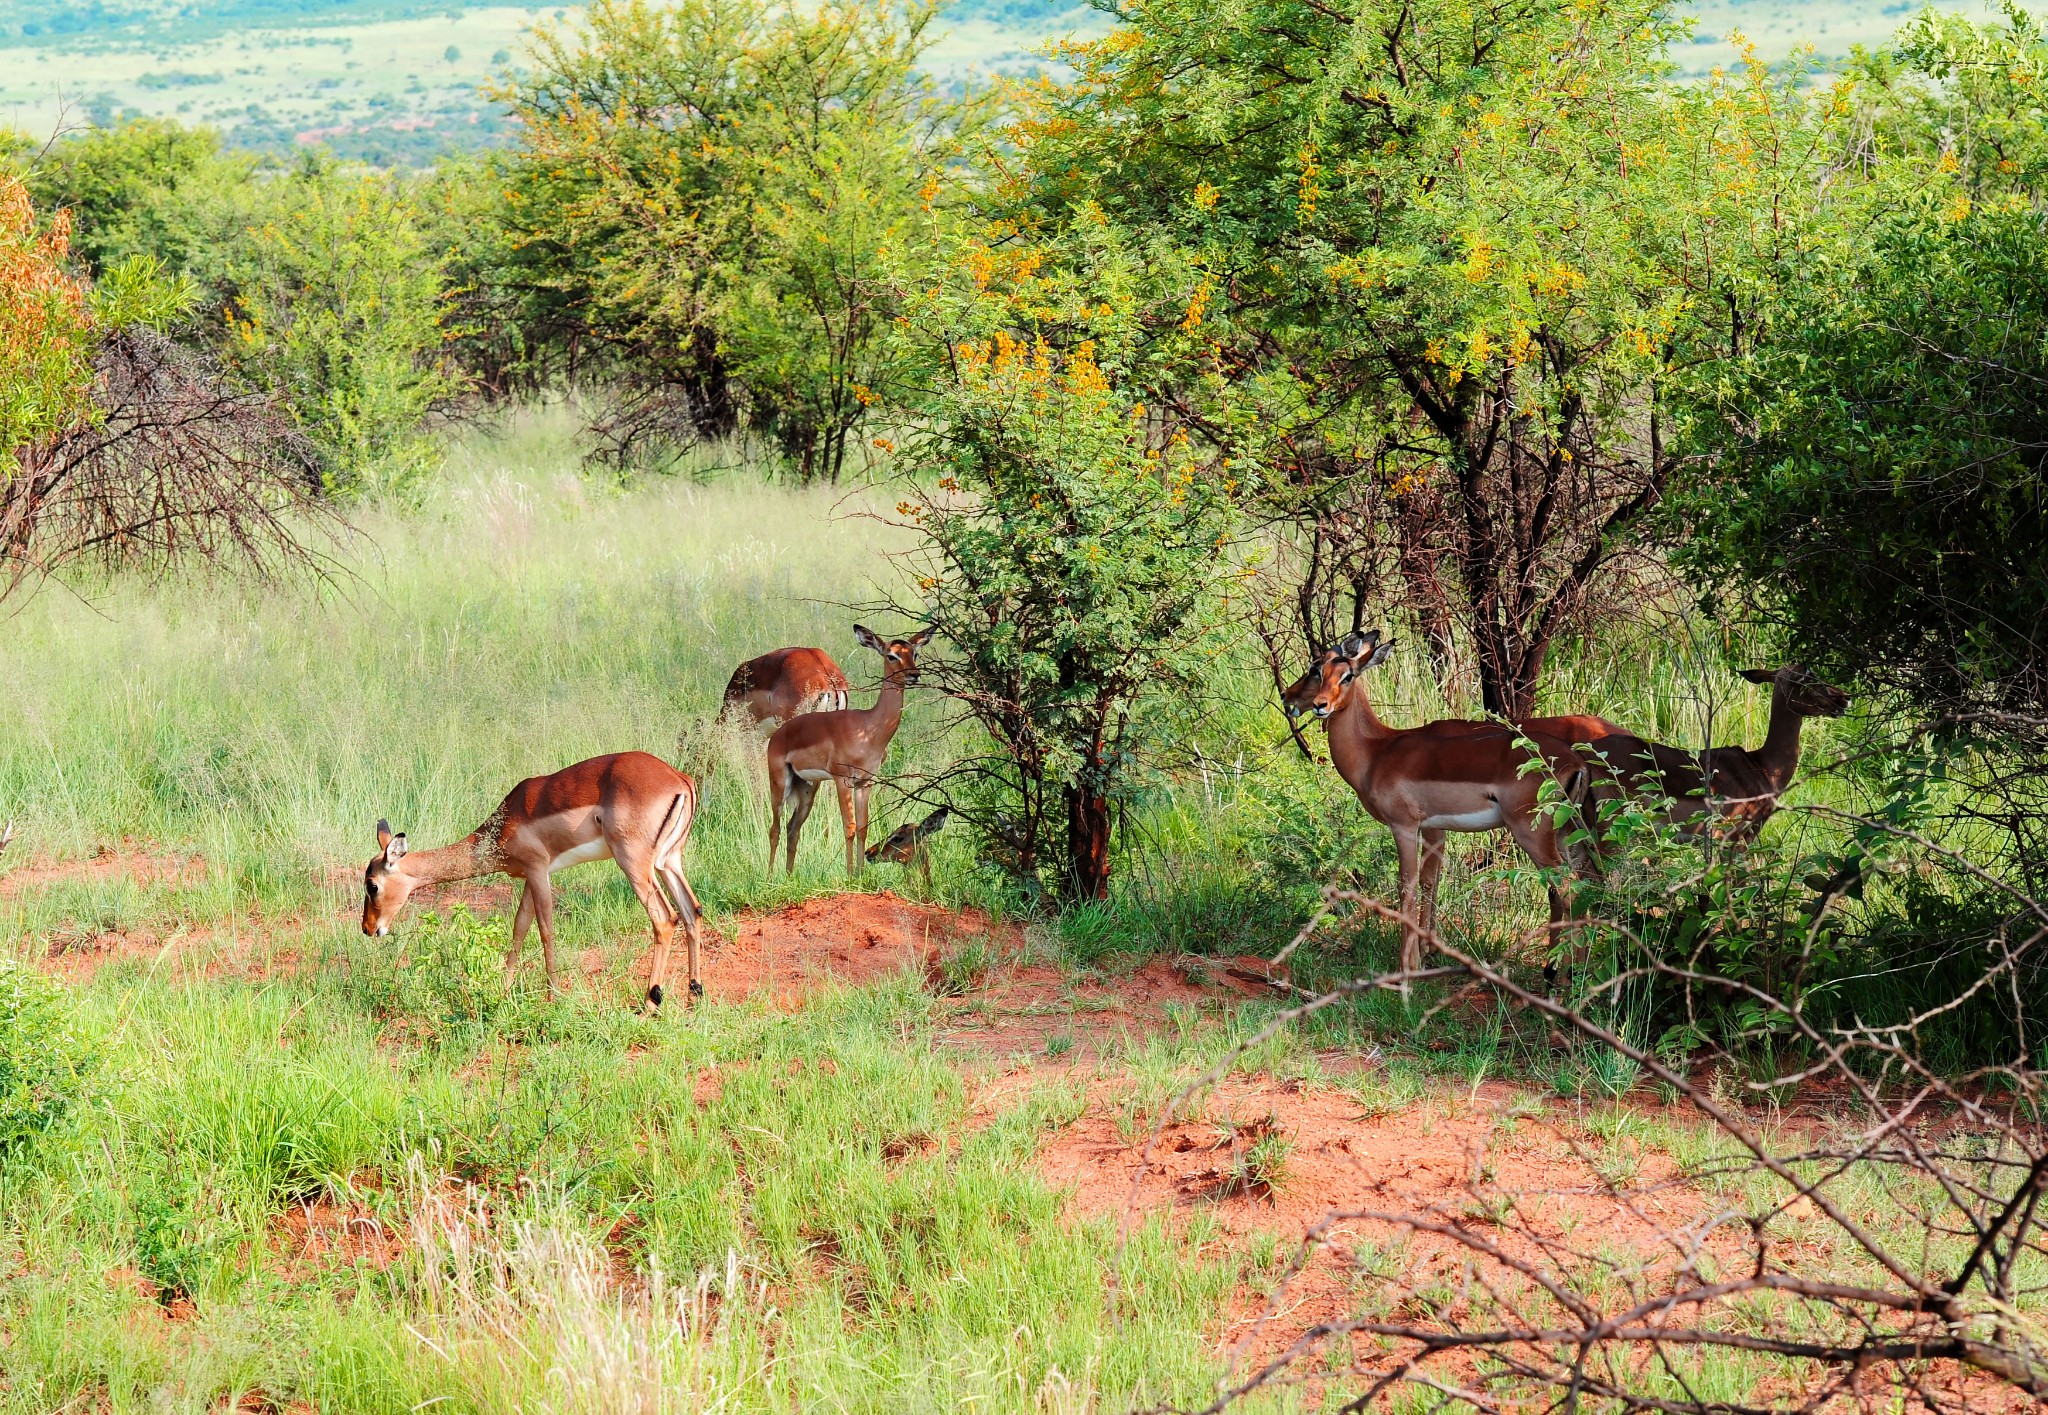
654	998
696	989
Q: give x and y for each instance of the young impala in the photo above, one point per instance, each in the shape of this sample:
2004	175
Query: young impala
1733	784
1422	782
907	844
784	683
845	747
632	807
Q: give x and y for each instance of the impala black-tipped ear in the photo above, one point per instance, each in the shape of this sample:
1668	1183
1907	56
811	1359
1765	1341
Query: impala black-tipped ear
1379	656
1352	645
383	833
1758	675
394	849
864	635
922	636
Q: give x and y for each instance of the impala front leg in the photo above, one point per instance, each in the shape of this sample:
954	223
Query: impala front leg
522	920
853	861
1409	846
1432	870
860	822
542	892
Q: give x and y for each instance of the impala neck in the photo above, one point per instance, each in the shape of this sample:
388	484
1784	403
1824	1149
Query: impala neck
1779	755
881	720
1356	733
465	859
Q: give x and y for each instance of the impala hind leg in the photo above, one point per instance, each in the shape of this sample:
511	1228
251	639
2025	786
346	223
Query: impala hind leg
778	779
636	862
804	794
1538	839
691	912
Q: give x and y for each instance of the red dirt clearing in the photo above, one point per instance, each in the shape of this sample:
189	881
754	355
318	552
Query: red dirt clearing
1448	1158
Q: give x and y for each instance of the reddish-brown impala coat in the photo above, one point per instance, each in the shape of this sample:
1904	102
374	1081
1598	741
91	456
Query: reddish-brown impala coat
845	747
1423	782
785	683
1732	784
630	807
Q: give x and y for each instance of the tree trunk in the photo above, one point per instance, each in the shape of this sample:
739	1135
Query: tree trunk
1087	842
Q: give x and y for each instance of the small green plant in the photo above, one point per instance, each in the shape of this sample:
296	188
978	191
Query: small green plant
1261	1165
1058	1046
44	1061
170	1249
963	968
452	975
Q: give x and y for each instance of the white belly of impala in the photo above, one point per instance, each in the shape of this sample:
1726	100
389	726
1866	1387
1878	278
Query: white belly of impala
1466	820
581	855
816	773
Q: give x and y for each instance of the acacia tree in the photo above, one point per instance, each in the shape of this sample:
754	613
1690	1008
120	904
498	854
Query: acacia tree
717	194
1441	254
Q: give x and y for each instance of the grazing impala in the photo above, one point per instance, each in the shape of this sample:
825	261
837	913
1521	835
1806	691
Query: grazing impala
1421	782
632	807
906	844
846	747
1732	784
785	683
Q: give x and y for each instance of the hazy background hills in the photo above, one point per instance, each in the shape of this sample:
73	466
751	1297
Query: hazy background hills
399	81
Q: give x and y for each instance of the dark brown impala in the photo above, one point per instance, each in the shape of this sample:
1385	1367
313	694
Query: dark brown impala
1732	784
634	808
785	683
1423	782
845	747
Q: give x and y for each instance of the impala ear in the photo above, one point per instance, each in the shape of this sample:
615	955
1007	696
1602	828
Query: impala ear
1354	644
922	636
394	849
1379	656
866	636
383	833
1758	675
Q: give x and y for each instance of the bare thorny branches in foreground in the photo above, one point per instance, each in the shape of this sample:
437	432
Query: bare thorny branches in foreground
1886	1253
178	468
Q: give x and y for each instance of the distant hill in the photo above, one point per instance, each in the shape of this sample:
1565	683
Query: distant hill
399	82
184	21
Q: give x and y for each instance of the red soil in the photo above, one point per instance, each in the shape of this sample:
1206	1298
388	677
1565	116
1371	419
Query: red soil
311	1236
132	861
1451	1159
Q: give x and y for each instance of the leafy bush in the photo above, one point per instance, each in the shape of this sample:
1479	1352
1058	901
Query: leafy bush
44	1060
451	978
332	298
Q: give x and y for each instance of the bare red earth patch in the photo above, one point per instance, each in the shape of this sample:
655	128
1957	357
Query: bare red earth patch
842	938
1438	1158
313	1236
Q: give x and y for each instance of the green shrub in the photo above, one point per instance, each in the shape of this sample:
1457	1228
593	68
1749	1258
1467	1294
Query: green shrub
453	973
44	1060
